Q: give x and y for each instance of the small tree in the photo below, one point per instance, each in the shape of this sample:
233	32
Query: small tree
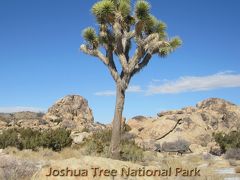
117	30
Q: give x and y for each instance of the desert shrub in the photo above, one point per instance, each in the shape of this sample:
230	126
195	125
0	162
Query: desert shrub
233	154
9	138
33	139
219	138
131	152
95	148
29	139
127	137
103	135
227	141
99	143
56	139
178	145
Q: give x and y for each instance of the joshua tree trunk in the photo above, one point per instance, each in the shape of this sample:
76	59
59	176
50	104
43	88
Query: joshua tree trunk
116	133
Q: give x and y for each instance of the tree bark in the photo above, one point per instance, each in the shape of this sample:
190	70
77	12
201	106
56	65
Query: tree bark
116	125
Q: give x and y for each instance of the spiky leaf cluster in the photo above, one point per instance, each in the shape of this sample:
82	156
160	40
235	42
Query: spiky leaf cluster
153	25
142	10
115	20
90	37
125	8
104	10
174	43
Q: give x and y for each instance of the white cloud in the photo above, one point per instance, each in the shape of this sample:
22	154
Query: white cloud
19	109
134	89
196	83
131	89
105	93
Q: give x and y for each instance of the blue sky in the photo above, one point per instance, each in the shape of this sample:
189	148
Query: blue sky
40	60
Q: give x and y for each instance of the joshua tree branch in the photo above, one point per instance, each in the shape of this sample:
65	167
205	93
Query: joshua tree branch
108	61
174	127
136	58
130	34
142	64
119	36
150	44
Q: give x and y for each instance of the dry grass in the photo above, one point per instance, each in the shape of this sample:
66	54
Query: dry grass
207	166
232	162
43	154
14	169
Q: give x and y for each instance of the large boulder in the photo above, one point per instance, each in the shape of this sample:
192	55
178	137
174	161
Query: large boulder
78	138
70	112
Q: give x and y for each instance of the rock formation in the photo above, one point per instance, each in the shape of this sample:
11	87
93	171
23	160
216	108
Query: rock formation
193	124
70	111
22	119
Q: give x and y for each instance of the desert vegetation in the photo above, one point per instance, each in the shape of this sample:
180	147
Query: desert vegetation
98	145
229	144
26	138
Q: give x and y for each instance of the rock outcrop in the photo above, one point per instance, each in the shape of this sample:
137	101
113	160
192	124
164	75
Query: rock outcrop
22	119
70	112
193	124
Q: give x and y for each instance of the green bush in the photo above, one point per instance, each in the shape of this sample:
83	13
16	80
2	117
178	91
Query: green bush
99	143
9	138
29	139
227	141
56	139
33	139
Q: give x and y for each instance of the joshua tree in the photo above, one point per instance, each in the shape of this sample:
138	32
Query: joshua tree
118	30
